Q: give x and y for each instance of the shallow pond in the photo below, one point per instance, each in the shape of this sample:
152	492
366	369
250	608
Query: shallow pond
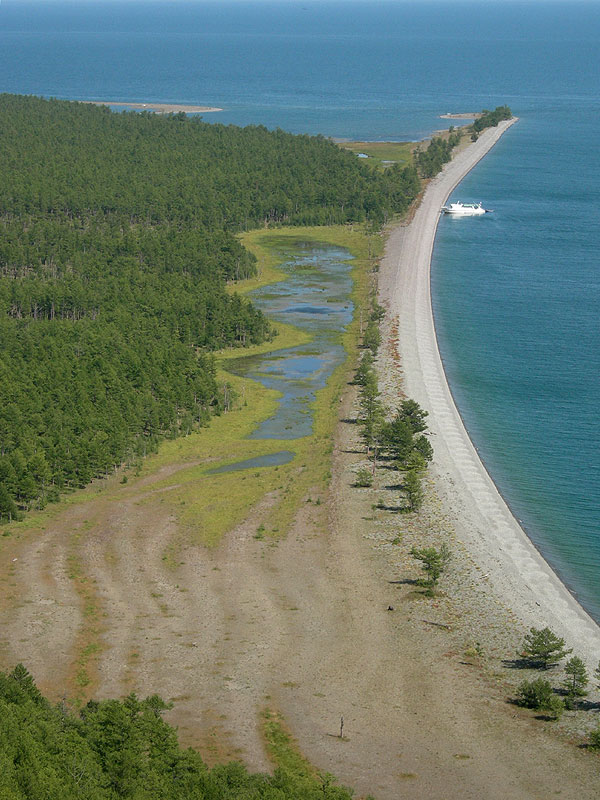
268	460
315	297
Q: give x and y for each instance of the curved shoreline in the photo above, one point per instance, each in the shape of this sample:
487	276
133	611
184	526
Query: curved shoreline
508	559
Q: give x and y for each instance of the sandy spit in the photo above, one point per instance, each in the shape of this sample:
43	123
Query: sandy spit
509	561
161	108
474	115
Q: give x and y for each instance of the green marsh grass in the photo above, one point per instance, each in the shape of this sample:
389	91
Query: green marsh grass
281	748
380	152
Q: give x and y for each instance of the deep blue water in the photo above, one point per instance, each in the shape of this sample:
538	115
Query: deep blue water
516	294
516	298
377	70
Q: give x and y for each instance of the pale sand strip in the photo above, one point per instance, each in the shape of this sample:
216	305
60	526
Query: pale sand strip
161	108
510	564
474	115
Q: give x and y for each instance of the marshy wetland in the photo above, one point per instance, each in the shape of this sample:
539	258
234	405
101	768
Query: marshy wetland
314	297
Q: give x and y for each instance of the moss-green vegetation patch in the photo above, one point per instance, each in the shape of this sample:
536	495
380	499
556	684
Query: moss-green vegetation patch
207	506
282	749
383	153
313	460
291	764
89	636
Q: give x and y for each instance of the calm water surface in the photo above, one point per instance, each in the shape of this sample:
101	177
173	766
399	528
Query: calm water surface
268	460
315	297
516	300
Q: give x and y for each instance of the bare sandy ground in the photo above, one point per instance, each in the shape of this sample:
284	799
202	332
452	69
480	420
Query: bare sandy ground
517	572
466	115
299	626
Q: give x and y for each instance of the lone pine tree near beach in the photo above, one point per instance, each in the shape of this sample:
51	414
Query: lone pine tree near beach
576	681
543	648
433	561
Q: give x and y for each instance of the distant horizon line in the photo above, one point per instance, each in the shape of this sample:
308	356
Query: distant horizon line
4	3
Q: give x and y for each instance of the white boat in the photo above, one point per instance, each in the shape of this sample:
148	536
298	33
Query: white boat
459	209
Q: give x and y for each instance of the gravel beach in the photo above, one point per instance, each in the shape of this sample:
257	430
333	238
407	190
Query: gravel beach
515	570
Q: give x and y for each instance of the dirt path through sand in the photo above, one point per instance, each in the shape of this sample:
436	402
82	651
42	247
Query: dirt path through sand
300	626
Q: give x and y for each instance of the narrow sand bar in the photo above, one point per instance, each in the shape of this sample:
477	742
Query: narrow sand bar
510	564
159	108
474	115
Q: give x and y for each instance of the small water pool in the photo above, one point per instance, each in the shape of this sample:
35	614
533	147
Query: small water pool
316	298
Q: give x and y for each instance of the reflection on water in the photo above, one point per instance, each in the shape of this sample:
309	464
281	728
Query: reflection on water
315	297
269	460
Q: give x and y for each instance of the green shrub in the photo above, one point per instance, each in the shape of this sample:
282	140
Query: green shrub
594	742
364	477
539	695
534	694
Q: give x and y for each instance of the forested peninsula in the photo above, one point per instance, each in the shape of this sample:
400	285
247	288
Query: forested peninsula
117	241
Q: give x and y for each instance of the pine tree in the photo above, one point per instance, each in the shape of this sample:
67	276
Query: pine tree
597	675
577	681
8	507
433	562
411	412
364	368
372	415
543	648
414	489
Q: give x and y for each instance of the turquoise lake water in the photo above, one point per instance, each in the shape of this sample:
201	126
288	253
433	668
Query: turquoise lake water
516	294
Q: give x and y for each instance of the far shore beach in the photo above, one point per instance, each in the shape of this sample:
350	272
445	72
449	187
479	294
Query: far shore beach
159	108
474	115
509	562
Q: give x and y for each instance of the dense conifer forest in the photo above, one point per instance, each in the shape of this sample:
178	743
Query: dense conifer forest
489	119
117	239
438	153
120	749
